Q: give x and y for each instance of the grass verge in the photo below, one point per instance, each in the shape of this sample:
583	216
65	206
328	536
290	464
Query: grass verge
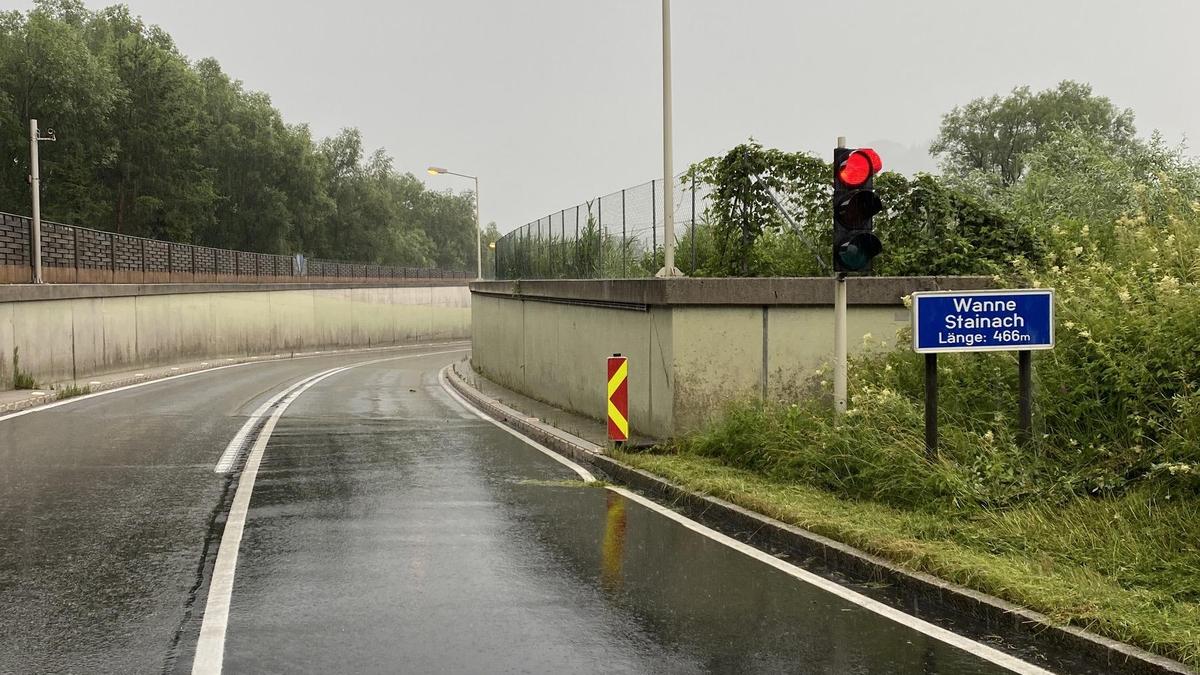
1126	567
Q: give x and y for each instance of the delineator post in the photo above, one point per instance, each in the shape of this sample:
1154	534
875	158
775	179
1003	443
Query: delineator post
618	398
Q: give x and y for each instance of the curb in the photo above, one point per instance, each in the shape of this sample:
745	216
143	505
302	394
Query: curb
916	588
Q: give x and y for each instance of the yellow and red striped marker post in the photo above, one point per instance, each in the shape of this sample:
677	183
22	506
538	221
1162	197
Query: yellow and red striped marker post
618	398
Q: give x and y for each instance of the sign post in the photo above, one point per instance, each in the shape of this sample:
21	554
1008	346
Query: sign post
618	399
1020	320
931	405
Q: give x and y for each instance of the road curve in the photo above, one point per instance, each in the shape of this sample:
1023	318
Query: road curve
389	529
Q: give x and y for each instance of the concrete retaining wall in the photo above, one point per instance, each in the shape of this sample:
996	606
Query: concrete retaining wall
694	344
67	333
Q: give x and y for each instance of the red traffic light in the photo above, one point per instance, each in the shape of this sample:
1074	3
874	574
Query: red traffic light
859	167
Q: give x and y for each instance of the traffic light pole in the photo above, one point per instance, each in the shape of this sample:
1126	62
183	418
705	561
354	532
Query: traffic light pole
839	332
839	342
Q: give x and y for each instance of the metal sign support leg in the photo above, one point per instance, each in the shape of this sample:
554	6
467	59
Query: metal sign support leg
931	406
1025	397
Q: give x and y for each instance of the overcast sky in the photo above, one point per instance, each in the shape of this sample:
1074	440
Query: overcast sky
552	102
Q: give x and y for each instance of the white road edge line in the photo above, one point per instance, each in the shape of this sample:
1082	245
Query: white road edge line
114	390
583	473
76	399
210	647
951	638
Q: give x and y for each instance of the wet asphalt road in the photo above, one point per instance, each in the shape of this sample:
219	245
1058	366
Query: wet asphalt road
389	531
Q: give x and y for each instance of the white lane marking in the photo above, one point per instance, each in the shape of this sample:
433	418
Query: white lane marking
114	390
583	473
210	648
951	638
239	440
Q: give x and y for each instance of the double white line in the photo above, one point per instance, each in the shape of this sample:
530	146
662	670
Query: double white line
210	649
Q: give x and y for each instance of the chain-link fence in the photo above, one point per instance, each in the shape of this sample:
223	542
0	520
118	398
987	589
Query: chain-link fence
616	236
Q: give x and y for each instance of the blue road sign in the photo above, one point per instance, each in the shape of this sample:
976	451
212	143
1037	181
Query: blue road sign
977	321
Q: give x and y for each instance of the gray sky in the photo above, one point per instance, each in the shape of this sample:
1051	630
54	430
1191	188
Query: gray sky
552	102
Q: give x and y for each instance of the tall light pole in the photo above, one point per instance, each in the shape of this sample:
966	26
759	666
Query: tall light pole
35	187
437	170
668	269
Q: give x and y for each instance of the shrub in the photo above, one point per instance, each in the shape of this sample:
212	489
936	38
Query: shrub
1115	232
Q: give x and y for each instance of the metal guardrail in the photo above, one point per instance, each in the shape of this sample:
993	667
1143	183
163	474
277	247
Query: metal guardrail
72	254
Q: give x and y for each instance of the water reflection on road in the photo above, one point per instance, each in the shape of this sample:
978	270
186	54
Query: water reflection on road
392	530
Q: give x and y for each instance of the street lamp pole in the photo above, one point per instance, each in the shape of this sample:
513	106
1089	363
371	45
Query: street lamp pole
437	170
35	187
478	235
668	269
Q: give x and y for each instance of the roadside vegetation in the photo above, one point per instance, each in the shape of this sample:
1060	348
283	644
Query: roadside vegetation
1095	522
153	144
21	379
72	390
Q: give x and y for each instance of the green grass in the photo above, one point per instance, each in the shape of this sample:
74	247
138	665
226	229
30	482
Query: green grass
21	379
73	390
1127	567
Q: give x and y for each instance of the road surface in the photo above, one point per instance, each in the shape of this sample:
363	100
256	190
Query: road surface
386	528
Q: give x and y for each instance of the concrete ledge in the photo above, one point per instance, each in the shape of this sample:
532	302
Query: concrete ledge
724	291
918	592
32	292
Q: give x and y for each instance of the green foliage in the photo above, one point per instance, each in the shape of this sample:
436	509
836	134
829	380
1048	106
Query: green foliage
73	390
1123	566
991	136
487	251
740	212
1118	398
21	379
929	227
152	145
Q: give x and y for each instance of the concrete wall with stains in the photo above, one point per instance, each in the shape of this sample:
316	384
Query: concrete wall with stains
695	345
67	333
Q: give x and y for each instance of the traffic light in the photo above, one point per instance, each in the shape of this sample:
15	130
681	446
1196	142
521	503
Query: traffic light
854	205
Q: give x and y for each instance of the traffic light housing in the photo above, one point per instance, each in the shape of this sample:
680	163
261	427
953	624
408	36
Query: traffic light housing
854	206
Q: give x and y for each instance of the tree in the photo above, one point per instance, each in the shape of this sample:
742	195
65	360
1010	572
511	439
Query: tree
152	145
740	209
157	186
487	253
48	73
994	135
